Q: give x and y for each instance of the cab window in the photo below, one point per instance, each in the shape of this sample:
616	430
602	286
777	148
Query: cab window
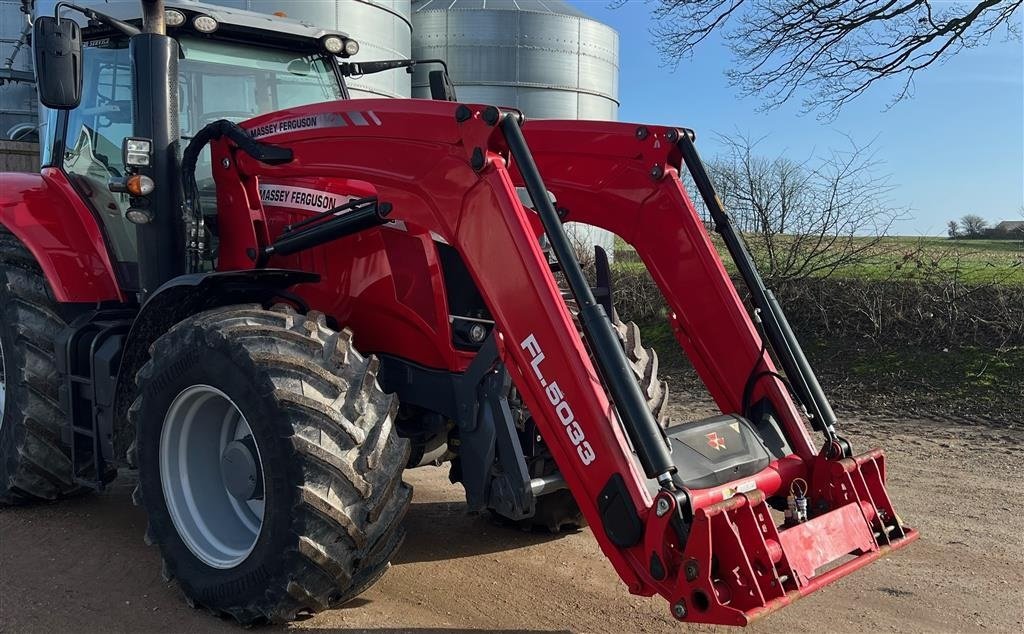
96	129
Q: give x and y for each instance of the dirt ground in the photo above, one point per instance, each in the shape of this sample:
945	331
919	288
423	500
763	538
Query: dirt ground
81	565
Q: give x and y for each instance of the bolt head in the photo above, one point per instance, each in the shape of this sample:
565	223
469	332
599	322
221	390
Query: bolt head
691	570
662	507
679	610
642	133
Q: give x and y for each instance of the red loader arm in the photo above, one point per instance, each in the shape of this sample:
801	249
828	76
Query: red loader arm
716	554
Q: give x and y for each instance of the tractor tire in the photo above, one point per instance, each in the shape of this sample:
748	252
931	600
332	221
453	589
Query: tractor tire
644	363
318	518
35	462
558	511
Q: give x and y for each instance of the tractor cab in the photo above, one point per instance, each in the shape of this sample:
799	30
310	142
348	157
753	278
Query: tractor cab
231	65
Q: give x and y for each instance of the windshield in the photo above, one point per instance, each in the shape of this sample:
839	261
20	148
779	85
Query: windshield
221	80
217	80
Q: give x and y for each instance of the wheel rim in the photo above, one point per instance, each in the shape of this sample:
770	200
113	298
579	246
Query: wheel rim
212	476
3	384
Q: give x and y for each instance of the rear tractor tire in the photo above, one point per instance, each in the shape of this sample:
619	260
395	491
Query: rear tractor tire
269	465
558	511
35	463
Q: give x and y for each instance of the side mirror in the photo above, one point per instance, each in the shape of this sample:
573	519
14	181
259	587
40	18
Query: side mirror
441	87
57	48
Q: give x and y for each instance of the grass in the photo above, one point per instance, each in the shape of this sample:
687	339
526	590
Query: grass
908	258
972	382
969	381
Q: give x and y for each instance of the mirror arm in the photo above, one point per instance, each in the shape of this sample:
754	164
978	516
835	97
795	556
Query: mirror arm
103	18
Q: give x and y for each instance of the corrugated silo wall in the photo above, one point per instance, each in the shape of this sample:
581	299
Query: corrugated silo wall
549	65
383	29
17	99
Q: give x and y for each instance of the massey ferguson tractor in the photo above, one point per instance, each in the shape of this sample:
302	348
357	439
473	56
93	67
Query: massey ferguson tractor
271	300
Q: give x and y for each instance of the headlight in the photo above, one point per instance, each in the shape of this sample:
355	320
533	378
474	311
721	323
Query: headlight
137	152
351	47
173	17
333	44
204	24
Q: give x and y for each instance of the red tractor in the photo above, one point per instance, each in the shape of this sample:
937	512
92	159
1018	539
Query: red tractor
271	301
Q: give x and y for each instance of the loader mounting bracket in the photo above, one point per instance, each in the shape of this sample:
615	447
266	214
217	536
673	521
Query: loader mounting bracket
491	464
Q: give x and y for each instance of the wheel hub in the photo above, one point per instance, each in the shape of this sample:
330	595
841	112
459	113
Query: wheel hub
240	470
212	477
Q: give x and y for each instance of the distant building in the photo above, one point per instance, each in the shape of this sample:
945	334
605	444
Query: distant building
1011	228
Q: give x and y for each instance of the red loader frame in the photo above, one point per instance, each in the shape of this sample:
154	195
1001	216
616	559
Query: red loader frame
717	554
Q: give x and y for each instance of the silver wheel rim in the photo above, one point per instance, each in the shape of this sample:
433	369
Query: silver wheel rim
220	526
3	384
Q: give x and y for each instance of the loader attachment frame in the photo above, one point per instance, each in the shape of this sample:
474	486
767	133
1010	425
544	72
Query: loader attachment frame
717	554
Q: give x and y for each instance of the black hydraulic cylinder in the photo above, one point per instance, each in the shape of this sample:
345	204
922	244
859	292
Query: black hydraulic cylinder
161	243
644	432
776	328
351	223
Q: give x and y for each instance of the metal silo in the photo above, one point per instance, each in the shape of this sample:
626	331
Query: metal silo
544	57
17	92
383	29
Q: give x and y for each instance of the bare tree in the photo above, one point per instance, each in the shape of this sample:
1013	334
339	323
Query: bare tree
810	218
974	225
832	50
953	229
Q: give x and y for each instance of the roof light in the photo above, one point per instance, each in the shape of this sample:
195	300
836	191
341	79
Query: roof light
204	24
173	17
351	47
333	44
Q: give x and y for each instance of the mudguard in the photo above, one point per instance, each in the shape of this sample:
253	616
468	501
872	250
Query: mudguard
178	299
46	214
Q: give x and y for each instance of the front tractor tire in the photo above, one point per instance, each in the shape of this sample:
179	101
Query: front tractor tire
35	462
269	465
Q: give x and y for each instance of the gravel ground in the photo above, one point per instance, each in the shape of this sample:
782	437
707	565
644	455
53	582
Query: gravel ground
81	565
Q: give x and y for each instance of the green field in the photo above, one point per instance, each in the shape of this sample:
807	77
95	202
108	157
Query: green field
906	258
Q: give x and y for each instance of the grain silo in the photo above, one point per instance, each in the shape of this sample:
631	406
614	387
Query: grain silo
17	92
383	29
544	57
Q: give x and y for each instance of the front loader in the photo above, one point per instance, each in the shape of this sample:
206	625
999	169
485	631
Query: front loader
272	310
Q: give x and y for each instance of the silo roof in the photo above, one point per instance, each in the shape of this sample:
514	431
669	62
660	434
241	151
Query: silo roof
556	7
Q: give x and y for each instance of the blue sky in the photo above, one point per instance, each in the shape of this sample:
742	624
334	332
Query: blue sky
956	147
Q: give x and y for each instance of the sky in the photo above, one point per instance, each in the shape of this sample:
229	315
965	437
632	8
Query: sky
956	147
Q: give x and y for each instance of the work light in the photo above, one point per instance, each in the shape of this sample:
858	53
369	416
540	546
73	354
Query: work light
137	152
204	24
173	17
333	44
